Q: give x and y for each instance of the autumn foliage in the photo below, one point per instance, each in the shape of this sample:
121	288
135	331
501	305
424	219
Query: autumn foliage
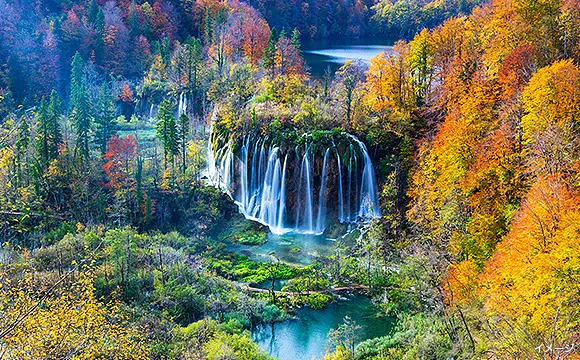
118	160
65	322
496	181
531	282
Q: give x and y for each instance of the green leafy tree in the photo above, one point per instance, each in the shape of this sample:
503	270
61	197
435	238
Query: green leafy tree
166	130
48	136
345	336
349	77
80	113
105	118
182	137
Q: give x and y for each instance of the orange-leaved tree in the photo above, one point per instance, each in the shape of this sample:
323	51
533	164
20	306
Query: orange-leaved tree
531	286
549	126
119	159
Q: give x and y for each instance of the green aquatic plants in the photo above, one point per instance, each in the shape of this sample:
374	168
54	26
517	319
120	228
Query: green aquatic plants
251	237
310	281
241	268
253	272
318	301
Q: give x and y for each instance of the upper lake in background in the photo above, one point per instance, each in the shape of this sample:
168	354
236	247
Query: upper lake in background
324	54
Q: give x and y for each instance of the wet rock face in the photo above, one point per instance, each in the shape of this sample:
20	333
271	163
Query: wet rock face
300	186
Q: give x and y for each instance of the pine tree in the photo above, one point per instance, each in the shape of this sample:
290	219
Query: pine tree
270	51
92	12
43	137
134	21
22	141
193	62
105	118
80	108
208	33
166	129
139	187
55	113
295	39
165	51
99	36
182	137
148	211
48	132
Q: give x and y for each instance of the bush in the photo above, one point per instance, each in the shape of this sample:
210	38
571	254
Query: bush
318	300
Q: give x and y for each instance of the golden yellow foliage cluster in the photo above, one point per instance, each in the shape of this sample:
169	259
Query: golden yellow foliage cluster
64	322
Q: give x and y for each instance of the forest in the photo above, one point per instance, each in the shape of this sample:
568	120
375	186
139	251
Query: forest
143	144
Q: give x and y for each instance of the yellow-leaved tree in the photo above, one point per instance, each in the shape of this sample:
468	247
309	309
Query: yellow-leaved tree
549	127
531	285
62	322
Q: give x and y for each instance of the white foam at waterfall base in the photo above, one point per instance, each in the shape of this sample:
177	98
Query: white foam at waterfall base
256	179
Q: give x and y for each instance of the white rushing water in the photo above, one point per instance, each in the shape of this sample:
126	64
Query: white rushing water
290	190
182	104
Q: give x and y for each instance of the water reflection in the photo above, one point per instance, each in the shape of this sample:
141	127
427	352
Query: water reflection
291	248
331	54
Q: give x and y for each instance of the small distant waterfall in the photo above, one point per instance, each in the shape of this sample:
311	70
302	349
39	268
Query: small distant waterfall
182	104
289	188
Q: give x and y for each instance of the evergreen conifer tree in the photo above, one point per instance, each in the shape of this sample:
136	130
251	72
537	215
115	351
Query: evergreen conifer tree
105	118
166	130
80	113
270	51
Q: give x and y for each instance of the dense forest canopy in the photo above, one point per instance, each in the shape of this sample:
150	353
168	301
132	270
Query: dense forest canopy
122	37
114	245
356	18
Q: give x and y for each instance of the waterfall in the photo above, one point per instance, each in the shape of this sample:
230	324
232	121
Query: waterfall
306	175
182	104
320	219
348	207
280	221
369	203
253	171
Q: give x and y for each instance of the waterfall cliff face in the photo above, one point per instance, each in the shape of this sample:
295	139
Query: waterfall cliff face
296	188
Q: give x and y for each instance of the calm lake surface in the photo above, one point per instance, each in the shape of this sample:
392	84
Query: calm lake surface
333	53
293	249
306	337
